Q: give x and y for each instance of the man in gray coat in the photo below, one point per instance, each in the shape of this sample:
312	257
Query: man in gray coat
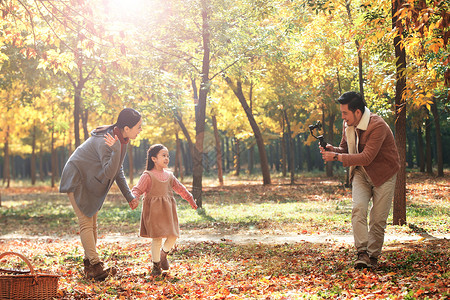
89	174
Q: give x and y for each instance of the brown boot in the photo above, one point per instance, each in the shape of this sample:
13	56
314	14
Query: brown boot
156	268
363	260
86	264
164	263
96	272
374	262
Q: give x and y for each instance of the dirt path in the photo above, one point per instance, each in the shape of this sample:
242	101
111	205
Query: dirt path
249	237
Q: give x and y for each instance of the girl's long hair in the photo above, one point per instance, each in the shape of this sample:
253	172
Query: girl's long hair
153	152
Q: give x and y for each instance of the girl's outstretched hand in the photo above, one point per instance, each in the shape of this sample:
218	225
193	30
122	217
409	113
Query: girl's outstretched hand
110	140
193	203
134	203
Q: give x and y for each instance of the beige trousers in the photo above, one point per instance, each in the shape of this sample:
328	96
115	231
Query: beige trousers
370	238
156	247
88	232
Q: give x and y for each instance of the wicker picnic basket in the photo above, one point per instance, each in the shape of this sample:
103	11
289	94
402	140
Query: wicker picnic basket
20	285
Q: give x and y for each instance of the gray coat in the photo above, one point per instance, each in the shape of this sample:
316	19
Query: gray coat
91	170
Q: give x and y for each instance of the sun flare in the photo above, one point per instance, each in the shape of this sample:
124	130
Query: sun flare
128	7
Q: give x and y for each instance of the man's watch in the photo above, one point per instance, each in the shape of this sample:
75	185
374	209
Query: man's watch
335	157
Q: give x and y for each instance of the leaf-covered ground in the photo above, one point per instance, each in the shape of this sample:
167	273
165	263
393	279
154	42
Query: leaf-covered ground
257	271
39	224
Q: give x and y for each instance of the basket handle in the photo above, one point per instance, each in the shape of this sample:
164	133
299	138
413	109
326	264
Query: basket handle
22	257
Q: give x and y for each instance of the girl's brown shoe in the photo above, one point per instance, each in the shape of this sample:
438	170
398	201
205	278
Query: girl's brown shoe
156	269
164	263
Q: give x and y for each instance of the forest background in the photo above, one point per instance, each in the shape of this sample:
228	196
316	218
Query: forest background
230	87
227	86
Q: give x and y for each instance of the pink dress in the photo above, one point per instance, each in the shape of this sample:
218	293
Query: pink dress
159	217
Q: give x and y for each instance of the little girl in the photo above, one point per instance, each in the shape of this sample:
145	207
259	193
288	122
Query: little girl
159	211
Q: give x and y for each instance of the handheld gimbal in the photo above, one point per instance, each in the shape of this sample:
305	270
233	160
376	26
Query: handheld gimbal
321	139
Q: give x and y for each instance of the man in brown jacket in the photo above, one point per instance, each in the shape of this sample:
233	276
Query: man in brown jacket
368	148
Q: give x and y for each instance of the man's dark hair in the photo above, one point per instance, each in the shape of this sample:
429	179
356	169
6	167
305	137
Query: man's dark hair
354	100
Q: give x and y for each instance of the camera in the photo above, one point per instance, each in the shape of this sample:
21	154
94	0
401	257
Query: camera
318	125
321	139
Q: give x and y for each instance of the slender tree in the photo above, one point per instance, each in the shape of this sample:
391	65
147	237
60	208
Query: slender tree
218	149
290	147
237	90
439	150
399	213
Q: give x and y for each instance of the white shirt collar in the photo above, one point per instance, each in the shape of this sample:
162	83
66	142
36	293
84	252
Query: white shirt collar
364	122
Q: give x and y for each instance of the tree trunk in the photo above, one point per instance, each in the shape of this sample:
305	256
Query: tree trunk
178	158
191	146
237	89
291	148
330	138
76	116
251	160
283	153
309	162
41	164
33	157
299	148
53	157
399	211
186	159
420	148
251	150
218	150
277	156
84	121
6	166
13	167
195	96
185	132
77	111
201	112
227	153
410	139
271	157
437	125
237	157
428	150
360	69
58	173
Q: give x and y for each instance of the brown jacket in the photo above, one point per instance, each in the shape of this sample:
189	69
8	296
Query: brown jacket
377	151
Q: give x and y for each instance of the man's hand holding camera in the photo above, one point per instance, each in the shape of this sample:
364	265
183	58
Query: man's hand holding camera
325	148
328	155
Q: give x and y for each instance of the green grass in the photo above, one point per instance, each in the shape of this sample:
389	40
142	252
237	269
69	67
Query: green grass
314	205
55	216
